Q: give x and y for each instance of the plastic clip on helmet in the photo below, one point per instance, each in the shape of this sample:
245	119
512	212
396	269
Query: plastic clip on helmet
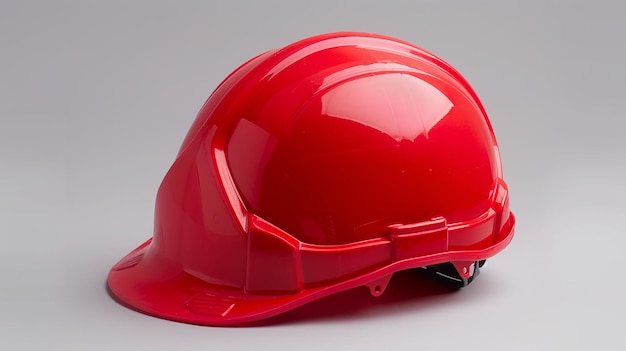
323	166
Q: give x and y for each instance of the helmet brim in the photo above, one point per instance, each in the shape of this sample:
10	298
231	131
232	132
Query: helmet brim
152	284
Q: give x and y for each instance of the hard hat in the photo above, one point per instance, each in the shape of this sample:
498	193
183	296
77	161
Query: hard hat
316	168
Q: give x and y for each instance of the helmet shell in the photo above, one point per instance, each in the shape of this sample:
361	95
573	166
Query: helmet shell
327	164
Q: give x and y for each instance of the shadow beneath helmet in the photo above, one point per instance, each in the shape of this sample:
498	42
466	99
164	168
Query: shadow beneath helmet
413	287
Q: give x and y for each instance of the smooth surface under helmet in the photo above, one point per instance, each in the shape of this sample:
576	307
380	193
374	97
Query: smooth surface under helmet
323	166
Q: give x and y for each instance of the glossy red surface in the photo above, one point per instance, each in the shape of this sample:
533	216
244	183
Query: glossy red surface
322	166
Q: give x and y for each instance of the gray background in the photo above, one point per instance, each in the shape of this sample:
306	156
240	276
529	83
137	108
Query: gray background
95	99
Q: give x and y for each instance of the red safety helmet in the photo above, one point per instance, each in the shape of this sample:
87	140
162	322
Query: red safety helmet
323	166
